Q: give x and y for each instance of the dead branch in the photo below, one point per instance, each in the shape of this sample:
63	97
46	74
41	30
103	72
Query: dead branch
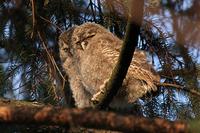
179	87
48	21
48	115
34	20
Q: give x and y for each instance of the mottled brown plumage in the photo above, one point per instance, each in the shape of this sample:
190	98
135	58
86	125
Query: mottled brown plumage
89	53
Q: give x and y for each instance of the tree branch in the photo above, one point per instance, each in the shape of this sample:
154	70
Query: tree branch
103	98
48	115
192	91
34	20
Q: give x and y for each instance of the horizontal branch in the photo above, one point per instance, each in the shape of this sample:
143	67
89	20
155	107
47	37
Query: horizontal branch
177	72
192	91
48	115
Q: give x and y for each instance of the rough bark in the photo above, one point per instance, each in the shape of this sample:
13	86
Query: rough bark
70	118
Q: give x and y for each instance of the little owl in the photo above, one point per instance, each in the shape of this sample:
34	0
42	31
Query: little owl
89	53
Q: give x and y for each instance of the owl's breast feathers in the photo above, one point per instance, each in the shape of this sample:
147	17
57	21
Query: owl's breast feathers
94	51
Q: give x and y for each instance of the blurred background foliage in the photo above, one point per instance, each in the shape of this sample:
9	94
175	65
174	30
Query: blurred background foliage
29	56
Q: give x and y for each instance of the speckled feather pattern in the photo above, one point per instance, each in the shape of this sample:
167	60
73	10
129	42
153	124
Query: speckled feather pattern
89	53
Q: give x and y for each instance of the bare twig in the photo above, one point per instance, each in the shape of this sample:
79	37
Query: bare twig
49	55
48	21
33	18
93	13
192	91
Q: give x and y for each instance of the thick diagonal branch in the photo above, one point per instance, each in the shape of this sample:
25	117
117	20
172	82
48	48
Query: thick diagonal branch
103	98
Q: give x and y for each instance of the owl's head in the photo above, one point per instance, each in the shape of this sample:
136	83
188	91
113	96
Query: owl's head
73	41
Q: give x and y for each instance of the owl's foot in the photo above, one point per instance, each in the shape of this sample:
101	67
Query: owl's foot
100	94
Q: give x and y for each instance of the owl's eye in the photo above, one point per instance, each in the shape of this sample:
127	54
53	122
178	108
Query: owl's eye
65	49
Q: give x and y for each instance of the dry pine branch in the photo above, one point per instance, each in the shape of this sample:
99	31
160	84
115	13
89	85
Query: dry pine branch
10	112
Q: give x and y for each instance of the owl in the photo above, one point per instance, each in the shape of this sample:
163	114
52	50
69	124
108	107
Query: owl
89	53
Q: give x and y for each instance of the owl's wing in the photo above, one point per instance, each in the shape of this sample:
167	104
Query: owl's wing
139	68
145	76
